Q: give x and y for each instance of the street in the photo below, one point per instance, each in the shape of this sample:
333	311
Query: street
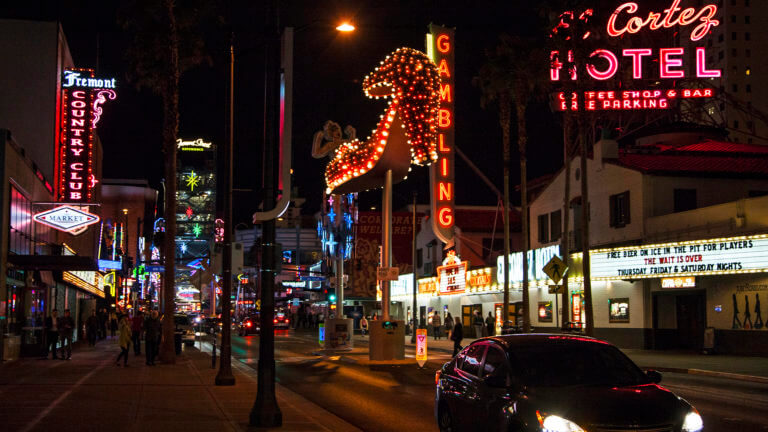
400	397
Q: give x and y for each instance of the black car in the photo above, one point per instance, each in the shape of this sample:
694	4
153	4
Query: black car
554	383
250	325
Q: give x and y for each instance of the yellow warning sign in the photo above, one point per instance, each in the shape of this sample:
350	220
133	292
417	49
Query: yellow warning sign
555	269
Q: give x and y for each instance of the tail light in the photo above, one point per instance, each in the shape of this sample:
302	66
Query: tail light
437	377
275	321
248	324
287	321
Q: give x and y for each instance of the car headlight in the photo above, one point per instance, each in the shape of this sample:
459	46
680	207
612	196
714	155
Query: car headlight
693	422
553	423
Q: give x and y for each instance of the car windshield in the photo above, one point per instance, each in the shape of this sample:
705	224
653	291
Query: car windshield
575	364
181	320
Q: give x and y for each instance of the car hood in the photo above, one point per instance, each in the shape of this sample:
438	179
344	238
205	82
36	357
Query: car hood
596	406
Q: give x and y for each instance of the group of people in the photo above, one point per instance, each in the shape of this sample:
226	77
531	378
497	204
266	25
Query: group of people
364	323
131	328
305	318
59	329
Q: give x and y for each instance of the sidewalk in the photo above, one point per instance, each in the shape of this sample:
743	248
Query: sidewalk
89	393
754	369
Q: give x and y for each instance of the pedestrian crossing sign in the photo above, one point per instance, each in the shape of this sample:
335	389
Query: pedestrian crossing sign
555	269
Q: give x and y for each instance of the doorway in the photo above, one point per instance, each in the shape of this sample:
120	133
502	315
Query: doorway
679	319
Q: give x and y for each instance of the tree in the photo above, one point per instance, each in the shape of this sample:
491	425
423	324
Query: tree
165	42
511	74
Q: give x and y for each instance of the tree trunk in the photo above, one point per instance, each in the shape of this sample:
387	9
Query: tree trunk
522	140
589	329
170	131
504	120
564	239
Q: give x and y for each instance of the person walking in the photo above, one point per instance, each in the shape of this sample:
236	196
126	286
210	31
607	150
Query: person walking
124	341
477	323
92	328
103	318
51	334
151	337
137	326
66	329
449	324
363	325
112	323
456	336
436	325
490	324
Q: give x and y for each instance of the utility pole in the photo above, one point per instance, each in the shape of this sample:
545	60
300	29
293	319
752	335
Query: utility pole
225	377
413	259
265	411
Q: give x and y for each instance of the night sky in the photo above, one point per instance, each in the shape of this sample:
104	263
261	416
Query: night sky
329	68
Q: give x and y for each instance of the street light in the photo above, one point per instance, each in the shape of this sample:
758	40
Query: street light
345	27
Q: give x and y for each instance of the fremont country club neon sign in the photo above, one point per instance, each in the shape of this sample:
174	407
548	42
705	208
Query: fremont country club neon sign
629	19
82	96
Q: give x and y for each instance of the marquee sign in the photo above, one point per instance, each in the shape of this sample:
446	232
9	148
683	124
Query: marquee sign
452	275
440	48
82	96
66	218
604	65
537	259
682	259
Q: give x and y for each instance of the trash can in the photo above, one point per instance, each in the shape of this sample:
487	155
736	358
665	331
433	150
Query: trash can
709	340
177	341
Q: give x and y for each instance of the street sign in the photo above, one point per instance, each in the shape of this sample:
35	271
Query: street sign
555	289
387	273
154	269
66	218
421	346
312	278
555	269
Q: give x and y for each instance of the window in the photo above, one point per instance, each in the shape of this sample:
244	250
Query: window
419	257
619	209
545	312
472	359
618	310
735	124
748	88
733	34
684	200
747	36
747	52
734	52
495	362
20	226
720	37
750	125
544	228
746	19
555	225
735	88
491	247
720	55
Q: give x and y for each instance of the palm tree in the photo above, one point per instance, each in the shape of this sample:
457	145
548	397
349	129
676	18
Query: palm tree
512	72
164	43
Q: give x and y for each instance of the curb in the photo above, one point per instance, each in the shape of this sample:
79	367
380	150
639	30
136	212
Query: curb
702	372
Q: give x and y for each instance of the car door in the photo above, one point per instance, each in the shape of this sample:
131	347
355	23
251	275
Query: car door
494	392
469	404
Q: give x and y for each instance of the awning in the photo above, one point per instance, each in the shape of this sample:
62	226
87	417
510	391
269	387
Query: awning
52	262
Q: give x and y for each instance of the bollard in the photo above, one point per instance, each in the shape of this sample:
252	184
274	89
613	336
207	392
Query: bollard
213	354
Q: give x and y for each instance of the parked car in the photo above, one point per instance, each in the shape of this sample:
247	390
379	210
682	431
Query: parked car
554	383
187	328
249	325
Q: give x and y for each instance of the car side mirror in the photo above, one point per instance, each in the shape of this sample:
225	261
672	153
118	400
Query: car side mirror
653	375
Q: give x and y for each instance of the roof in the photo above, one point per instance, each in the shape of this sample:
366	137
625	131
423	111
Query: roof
483	220
712	158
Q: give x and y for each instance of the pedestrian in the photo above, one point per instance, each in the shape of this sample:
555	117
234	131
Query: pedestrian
477	323
66	328
490	324
92	328
112	323
363	325
449	324
103	318
137	326
51	334
436	325
456	336
151	337
124	341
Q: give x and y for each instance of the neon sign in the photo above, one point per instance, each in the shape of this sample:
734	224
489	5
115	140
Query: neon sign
66	218
604	64
440	48
654	21
82	99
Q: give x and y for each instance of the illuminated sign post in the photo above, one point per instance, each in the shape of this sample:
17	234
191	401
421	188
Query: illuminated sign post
421	346
82	97
605	64
440	48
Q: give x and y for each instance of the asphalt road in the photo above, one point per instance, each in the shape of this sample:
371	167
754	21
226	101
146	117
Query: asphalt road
398	398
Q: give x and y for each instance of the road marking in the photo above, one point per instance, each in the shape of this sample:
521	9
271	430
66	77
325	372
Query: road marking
63	396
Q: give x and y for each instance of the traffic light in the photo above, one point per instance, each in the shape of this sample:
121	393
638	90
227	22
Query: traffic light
331	294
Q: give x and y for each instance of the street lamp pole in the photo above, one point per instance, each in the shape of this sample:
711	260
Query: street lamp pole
415	277
225	377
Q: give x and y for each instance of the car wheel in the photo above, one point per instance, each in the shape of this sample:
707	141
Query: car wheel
445	420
